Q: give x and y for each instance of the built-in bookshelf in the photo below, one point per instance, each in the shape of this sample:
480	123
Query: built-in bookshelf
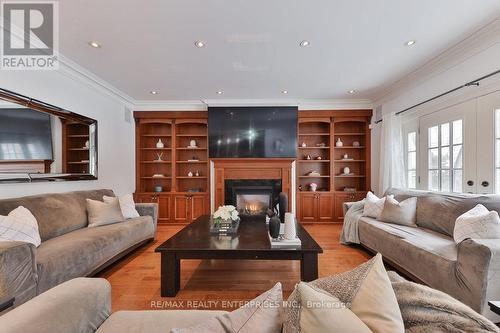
75	150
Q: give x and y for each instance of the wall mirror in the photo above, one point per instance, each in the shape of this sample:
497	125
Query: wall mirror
42	142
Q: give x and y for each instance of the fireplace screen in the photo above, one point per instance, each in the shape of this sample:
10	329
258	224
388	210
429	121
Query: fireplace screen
252	203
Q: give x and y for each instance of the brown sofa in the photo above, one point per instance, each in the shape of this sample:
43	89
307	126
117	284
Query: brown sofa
69	248
469	271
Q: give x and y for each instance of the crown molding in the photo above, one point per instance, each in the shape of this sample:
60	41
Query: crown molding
477	42
303	104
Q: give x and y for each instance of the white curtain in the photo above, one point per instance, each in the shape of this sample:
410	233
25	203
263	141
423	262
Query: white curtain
392	171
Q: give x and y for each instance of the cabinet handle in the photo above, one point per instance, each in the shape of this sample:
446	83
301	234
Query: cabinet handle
485	183
470	183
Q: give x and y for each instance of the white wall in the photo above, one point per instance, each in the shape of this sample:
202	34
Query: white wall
476	56
116	137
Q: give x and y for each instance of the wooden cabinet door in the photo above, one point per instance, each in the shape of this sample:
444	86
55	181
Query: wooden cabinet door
181	208
340	198
308	209
164	208
198	206
326	209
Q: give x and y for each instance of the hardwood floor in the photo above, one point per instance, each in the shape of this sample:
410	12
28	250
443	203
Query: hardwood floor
219	284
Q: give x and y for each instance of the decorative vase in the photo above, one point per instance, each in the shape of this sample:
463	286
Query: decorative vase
160	144
313	186
190	174
304	144
283	204
274	226
308	157
347	171
192	143
290	231
339	143
197	173
87	144
345	156
158	189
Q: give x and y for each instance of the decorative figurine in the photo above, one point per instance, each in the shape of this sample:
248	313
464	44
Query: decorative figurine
192	144
160	144
355	144
87	144
339	143
300	188
190	174
303	145
345	157
322	144
319	158
159	155
347	171
308	157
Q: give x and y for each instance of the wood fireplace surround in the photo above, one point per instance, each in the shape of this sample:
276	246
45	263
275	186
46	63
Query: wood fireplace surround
251	168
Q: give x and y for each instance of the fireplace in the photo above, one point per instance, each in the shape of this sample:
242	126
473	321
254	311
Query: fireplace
252	196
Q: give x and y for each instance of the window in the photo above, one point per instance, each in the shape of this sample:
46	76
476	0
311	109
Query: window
497	151
411	160
444	149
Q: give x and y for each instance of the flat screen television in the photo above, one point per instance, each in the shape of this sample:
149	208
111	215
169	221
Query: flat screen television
25	134
244	132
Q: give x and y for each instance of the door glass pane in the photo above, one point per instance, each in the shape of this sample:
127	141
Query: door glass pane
412	179
497	123
433	137
457	180
445	134
445	157
445	180
412	141
433	158
457	132
412	160
434	180
497	181
457	157
497	153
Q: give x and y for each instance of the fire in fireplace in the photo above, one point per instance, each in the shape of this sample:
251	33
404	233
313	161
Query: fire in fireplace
252	196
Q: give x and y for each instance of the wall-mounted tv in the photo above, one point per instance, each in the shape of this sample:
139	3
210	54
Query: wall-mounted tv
244	132
25	134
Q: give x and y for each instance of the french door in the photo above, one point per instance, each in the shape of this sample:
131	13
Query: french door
459	147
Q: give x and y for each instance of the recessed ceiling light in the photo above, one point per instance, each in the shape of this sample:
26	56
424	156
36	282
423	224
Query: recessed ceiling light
95	45
284	92
410	42
199	43
220	92
153	92
351	91
304	43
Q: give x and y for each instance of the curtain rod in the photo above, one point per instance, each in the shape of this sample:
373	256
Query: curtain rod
468	84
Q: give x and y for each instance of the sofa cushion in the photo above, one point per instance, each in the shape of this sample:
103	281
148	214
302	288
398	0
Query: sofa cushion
56	213
80	252
155	321
439	211
102	213
404	212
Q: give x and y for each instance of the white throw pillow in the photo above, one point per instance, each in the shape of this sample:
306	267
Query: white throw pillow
102	213
323	312
127	205
478	223
20	225
374	205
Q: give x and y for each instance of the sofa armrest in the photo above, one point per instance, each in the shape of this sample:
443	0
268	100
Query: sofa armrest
78	305
18	274
148	209
478	267
347	205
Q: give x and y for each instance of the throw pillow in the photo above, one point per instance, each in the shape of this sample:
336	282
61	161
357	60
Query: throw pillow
322	312
368	291
263	314
479	223
102	213
404	212
374	205
20	225
127	205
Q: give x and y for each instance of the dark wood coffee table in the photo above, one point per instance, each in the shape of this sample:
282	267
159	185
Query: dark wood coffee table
251	242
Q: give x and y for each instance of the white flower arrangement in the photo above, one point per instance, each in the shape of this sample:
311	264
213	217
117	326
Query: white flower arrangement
226	213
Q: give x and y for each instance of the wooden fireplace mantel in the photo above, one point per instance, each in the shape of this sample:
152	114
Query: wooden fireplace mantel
251	168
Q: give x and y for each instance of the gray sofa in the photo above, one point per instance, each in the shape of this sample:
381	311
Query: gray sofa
83	305
469	271
69	248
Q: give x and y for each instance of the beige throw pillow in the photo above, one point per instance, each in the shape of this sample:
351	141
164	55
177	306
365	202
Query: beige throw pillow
374	205
263	314
322	312
404	212
102	213
366	288
478	223
127	205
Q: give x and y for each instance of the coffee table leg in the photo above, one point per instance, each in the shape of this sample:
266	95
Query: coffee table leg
170	274
309	267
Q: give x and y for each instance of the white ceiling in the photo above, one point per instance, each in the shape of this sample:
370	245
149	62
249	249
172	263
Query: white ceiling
252	47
